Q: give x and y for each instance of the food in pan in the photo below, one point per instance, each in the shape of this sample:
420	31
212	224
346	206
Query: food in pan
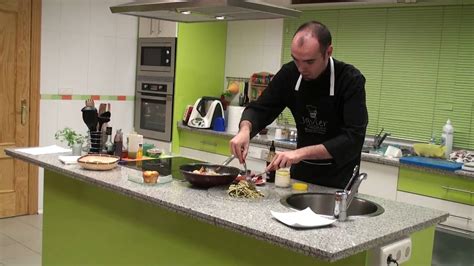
206	171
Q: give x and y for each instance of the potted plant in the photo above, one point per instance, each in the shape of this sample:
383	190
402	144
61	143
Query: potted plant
74	140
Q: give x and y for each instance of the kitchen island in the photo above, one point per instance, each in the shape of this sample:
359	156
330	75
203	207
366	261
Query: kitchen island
95	217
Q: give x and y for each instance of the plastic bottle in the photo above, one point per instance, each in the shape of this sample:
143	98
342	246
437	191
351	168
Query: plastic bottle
447	138
140	151
134	141
271	154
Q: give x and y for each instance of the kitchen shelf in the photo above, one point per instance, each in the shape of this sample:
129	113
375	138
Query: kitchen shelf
237	79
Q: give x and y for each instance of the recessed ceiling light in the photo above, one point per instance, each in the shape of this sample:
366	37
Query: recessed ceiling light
186	12
220	17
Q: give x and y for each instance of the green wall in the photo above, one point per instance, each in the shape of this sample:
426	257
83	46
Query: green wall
200	66
418	61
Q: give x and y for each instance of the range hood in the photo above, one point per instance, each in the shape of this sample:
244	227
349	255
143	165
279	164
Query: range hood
204	10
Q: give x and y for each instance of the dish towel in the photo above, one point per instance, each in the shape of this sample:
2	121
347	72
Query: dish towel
302	219
68	159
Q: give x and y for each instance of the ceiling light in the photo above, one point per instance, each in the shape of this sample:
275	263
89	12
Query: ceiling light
220	17
187	12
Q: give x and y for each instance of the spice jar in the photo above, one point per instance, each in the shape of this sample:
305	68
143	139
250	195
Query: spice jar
282	177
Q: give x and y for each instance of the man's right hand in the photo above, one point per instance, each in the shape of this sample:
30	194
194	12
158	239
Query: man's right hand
239	145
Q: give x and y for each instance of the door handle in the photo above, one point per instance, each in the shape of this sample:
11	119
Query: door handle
24	112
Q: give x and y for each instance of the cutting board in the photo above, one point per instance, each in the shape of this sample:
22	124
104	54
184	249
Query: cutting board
431	162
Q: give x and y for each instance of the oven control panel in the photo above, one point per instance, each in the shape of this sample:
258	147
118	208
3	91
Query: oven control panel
154	87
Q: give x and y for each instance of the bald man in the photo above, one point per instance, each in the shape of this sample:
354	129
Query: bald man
327	99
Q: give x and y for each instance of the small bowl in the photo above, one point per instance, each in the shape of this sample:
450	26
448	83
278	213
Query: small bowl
98	162
154	152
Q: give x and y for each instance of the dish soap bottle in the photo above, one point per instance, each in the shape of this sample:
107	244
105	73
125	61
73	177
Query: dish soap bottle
447	138
270	156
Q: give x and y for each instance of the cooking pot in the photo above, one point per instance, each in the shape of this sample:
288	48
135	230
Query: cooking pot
225	174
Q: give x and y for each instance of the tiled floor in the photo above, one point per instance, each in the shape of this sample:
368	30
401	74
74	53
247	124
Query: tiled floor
20	240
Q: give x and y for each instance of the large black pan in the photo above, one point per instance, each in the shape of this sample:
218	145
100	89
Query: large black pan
226	174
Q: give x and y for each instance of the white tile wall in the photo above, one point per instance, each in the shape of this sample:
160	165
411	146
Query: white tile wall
101	69
73	61
49	81
85	49
253	46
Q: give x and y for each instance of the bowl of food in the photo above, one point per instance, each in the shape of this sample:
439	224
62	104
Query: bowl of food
154	152
208	175
98	162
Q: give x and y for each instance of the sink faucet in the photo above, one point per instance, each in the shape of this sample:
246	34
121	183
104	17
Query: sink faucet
344	197
378	139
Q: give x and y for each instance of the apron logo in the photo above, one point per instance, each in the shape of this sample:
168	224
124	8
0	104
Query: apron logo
312	123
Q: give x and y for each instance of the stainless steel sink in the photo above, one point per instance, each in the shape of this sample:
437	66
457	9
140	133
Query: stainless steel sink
372	150
323	203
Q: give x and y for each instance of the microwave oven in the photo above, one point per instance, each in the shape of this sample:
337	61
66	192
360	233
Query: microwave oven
156	57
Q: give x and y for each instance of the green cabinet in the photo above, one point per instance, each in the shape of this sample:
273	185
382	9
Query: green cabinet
205	142
437	185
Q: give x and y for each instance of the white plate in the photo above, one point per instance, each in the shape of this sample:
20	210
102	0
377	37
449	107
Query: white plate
302	219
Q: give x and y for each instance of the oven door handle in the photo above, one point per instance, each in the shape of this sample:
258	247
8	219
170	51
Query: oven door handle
146	97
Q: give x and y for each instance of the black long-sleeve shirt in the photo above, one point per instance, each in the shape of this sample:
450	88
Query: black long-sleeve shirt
338	122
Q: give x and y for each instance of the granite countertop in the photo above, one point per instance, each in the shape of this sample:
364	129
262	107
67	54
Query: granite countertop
253	218
374	158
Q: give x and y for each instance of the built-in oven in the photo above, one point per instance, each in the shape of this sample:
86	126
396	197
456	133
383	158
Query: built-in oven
156	56
154	108
155	87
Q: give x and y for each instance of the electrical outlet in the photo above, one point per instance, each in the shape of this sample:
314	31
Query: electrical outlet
400	251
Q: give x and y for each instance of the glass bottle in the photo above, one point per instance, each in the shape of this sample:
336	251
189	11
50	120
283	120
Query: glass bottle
118	143
270	156
109	145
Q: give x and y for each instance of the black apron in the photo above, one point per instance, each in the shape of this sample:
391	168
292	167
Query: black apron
318	120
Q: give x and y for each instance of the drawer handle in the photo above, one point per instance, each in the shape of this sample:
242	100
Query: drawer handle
461	217
208	143
458	190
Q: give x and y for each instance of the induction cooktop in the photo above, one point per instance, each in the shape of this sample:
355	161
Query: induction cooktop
164	166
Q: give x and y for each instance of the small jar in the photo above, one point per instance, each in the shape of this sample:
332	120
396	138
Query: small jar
282	177
299	188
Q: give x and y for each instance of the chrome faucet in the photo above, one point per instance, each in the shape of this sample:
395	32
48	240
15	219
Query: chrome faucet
378	139
343	198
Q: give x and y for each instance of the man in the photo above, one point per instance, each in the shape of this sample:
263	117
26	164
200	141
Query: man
327	99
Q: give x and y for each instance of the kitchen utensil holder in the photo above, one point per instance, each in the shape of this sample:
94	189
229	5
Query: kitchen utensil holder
95	142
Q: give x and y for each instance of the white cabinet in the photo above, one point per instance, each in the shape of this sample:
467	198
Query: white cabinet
381	180
152	28
461	216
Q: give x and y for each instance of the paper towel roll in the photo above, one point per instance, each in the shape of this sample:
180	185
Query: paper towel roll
234	113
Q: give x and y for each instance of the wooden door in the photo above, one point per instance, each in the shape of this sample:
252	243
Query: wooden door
16	105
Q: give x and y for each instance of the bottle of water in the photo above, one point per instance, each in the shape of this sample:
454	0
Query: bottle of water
447	138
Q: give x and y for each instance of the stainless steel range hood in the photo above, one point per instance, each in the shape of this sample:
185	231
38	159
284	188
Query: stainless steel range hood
204	10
